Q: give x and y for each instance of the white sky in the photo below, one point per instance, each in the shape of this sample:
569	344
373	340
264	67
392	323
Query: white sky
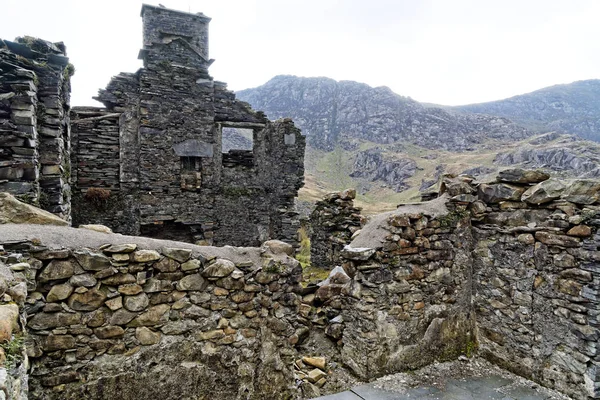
440	51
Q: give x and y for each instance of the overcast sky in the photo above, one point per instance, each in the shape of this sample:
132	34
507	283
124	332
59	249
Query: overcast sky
440	51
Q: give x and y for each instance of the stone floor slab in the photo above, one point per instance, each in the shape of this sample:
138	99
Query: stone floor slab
347	395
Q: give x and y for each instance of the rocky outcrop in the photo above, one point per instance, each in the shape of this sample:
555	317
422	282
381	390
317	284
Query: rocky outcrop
331	112
372	165
572	108
572	158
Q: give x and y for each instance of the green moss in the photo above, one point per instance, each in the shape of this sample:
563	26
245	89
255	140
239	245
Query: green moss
69	71
13	350
453	217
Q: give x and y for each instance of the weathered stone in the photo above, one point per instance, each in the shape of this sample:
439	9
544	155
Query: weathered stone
495	193
317	362
108	332
146	336
157	285
179	255
191	265
136	303
88	301
166	264
143	256
59	292
58	269
12	211
552	239
219	269
582	191
278	247
119	279
151	317
122	317
316	375
359	254
526	238
121	248
192	282
85	280
43	321
517	175
91	261
130	289
58	342
210	335
580	231
114	303
96	228
543	192
9	321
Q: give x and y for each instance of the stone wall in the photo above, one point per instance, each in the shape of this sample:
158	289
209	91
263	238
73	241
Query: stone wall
174	181
111	321
536	279
407	284
333	222
14	362
34	123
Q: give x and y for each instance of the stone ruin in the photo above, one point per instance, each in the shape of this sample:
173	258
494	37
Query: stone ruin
508	270
35	136
154	161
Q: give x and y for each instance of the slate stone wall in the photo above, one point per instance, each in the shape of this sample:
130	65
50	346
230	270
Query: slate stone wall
536	280
333	222
34	123
174	181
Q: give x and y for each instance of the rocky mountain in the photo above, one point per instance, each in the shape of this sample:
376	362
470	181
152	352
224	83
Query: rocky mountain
572	108
333	113
391	148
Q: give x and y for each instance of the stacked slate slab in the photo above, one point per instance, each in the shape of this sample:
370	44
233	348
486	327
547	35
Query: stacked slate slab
34	123
156	149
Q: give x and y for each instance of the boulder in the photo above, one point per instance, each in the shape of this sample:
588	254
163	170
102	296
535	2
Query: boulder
495	193
278	247
146	336
91	261
142	256
12	211
219	269
582	191
518	175
543	192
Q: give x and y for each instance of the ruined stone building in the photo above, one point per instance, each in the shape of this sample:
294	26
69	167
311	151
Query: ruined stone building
153	161
34	123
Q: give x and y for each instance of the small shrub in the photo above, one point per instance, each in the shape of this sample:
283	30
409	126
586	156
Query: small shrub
97	196
303	254
13	350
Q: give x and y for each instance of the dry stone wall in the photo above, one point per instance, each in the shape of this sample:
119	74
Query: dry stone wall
110	322
407	284
332	223
14	362
536	279
34	123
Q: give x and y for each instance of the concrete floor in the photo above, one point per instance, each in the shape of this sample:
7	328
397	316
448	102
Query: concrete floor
472	388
